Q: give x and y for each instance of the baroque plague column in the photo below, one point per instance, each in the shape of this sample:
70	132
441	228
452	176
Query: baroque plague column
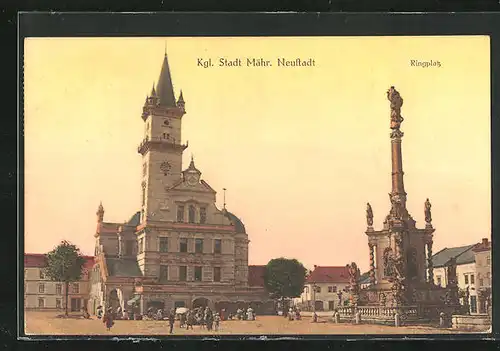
400	254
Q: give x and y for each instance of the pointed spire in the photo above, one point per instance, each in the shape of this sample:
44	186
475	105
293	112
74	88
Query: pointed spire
165	89
100	212
153	91
181	98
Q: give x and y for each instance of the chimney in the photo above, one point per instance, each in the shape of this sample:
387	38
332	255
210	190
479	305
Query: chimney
485	241
315	266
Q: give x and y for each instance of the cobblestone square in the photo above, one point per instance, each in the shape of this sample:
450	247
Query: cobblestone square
47	323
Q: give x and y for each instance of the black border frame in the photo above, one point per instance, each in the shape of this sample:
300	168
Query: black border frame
268	24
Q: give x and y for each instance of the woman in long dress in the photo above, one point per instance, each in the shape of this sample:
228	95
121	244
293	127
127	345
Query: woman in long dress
108	319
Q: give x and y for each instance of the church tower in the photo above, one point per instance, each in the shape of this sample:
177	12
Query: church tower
161	147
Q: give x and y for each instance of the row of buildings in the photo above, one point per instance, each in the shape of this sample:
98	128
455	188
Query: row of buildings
326	286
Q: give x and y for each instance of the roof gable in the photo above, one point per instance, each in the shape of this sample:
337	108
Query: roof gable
329	274
202	186
463	255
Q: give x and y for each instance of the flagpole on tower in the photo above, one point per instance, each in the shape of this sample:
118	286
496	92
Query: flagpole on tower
224	207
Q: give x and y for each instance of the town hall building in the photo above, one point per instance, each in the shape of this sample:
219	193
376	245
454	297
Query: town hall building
178	249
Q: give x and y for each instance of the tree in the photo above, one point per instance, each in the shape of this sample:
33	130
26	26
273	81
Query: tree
64	264
284	278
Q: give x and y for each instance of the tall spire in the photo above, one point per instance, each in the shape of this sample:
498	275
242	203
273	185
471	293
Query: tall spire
153	91
165	88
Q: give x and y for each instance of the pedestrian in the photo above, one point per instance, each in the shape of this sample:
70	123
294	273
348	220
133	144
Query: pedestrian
99	312
217	319
209	318
171	320
189	320
108	319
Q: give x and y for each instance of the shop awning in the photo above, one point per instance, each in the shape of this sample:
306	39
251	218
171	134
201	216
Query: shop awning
134	300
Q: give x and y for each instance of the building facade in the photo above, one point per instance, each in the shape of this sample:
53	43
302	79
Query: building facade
178	249
325	289
473	273
41	293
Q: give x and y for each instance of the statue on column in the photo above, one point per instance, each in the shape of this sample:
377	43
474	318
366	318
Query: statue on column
427	211
369	215
354	281
396	103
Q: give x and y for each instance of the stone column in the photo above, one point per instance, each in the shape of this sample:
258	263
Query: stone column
430	267
372	264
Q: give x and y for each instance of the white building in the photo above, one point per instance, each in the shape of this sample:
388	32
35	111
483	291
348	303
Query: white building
41	293
467	270
326	285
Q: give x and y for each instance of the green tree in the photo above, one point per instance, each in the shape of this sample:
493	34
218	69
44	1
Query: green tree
284	278
64	264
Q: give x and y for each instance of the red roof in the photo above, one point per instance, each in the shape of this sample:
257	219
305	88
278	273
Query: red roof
34	260
38	261
256	275
329	274
484	245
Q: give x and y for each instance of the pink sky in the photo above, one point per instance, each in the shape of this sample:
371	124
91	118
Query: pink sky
300	150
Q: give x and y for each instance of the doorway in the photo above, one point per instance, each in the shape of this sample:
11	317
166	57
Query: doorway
76	304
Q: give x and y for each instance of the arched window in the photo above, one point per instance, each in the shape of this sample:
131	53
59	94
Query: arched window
192	212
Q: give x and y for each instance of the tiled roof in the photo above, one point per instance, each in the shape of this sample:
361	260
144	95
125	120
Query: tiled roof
121	267
463	255
135	219
256	275
485	245
238	224
329	274
38	261
34	260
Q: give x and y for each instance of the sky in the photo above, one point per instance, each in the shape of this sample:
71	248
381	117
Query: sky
301	150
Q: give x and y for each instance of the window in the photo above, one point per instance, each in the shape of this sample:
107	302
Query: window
183	245
473	304
129	247
203	215
191	213
76	288
41	303
438	279
163	273
472	278
332	289
217	246
58	303
41	288
331	305
318	289
216	274
180	214
182	273
197	274
143	194
306	289
488	260
141	245
466	279
42	275
58	289
198	245
481	282
163	244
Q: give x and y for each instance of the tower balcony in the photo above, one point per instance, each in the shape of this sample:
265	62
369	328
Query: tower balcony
160	144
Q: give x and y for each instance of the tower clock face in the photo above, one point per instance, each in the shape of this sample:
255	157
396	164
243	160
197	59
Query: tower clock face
166	167
191	179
